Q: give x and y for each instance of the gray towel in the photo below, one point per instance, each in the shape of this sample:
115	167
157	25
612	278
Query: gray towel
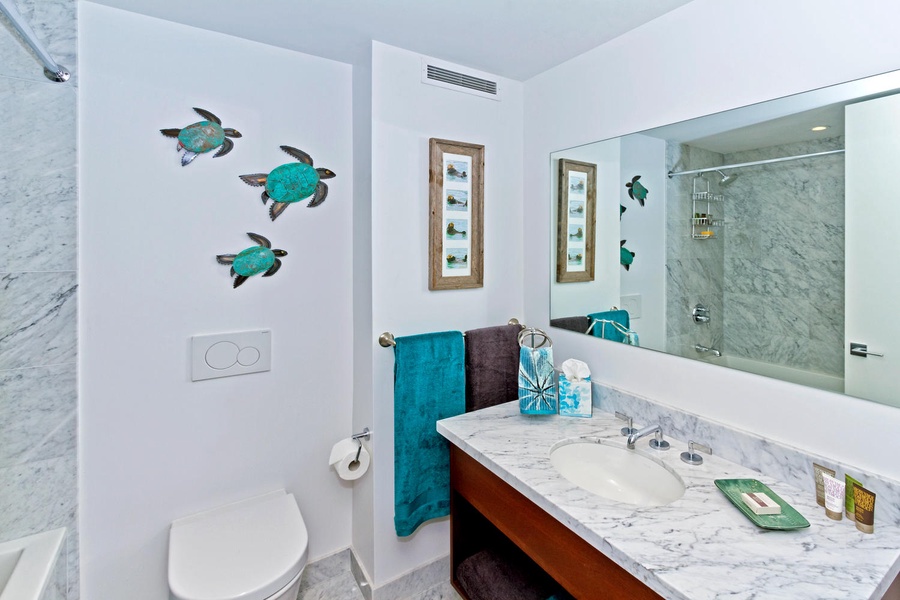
507	574
579	324
492	366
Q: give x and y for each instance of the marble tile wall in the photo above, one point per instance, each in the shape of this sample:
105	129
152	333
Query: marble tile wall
38	285
784	261
694	268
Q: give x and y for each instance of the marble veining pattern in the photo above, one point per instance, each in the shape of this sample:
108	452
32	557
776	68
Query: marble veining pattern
73	579
785	463
37	414
413	584
330	578
38	283
773	278
37	177
55	25
697	547
694	268
441	591
47	484
38	221
37	319
785	258
35	141
325	568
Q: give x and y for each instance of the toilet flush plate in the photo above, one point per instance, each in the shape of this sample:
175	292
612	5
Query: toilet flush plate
227	354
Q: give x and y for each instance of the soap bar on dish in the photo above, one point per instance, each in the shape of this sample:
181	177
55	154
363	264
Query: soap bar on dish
761	504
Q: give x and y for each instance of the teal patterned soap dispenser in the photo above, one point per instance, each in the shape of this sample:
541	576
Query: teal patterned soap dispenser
537	379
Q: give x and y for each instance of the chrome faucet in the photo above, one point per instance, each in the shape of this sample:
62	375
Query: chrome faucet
632	438
701	348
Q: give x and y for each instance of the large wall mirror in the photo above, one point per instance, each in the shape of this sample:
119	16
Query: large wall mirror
765	239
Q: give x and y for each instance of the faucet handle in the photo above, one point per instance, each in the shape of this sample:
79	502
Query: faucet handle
691	457
626	430
658	443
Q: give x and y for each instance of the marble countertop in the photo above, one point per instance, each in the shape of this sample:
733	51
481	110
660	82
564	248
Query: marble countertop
699	547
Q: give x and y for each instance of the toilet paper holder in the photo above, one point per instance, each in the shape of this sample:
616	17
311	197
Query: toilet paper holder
365	433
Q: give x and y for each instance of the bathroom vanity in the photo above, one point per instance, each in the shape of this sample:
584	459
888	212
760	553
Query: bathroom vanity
484	507
698	546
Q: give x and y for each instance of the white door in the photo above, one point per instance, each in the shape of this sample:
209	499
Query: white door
872	282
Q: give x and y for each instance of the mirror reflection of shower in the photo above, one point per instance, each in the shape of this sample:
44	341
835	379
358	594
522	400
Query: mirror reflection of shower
726	179
755	254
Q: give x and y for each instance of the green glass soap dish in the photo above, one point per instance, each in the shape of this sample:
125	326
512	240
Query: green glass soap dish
788	519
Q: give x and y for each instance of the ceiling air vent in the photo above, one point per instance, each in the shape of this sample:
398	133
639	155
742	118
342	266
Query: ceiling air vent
454	79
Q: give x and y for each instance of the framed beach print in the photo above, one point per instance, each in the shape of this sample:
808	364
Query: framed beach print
575	221
455	232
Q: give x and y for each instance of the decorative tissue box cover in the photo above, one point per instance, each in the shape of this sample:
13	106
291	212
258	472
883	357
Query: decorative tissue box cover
574	397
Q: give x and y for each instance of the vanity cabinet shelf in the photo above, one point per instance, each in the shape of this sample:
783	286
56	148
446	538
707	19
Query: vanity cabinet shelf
485	510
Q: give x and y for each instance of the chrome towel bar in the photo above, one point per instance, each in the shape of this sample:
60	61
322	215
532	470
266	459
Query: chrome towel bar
386	339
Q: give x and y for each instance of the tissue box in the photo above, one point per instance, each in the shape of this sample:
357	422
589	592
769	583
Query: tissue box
575	397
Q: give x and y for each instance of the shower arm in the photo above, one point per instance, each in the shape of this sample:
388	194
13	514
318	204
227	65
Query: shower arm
53	70
748	164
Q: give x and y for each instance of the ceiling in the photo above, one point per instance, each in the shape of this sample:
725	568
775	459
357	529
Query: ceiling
777	132
512	38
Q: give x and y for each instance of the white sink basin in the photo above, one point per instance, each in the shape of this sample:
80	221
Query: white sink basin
26	564
616	473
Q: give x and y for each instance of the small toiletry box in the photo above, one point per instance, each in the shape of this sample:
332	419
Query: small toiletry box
574	397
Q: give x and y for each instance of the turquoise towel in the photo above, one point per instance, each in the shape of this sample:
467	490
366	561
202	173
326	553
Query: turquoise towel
606	330
429	385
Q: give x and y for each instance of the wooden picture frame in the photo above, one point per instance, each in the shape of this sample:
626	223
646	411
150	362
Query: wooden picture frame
456	200
576	220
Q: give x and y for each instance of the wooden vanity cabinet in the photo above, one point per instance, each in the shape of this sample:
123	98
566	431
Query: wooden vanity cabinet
483	507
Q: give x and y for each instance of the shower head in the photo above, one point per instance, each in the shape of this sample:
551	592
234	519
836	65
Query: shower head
726	179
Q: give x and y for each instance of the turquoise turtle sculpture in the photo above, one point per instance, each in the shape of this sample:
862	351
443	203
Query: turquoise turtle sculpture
292	182
626	256
203	136
253	261
637	191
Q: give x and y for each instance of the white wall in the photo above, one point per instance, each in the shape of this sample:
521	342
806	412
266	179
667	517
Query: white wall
406	113
664	72
154	445
644	228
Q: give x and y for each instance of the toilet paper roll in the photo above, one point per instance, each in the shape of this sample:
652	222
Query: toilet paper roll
343	459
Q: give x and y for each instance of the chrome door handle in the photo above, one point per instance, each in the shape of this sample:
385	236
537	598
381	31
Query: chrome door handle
857	349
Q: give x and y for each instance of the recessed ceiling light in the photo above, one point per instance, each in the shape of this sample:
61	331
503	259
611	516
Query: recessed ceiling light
820	128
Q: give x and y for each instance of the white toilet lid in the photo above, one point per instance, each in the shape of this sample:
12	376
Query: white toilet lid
244	551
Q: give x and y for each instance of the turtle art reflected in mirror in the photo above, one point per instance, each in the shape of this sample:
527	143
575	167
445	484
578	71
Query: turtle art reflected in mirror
292	182
253	261
202	137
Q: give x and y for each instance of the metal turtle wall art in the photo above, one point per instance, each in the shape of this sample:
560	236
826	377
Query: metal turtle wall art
202	137
636	191
292	182
253	261
626	256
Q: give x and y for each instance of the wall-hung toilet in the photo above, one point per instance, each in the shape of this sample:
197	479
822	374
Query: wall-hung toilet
255	549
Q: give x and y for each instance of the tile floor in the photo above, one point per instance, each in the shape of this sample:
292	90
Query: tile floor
330	579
